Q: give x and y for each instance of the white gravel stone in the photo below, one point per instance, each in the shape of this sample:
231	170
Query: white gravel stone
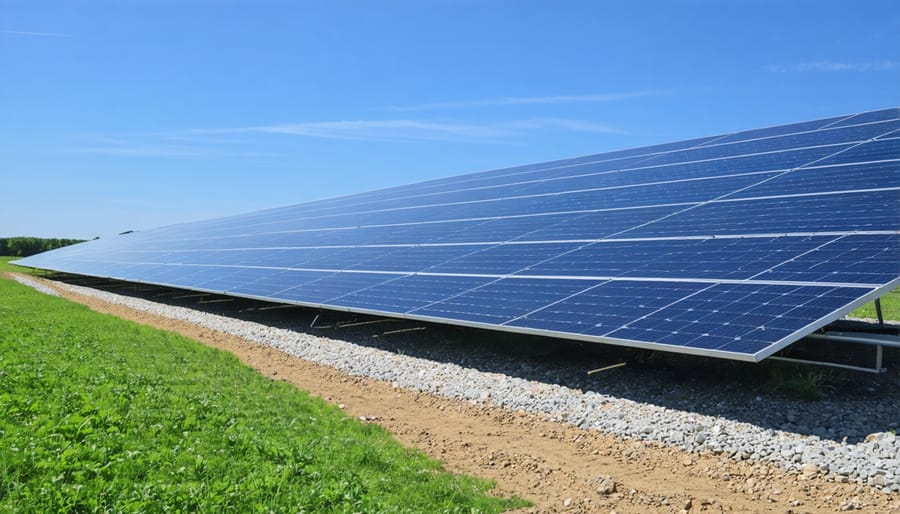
35	284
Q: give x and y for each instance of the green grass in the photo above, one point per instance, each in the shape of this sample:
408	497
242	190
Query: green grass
890	307
100	414
797	381
5	266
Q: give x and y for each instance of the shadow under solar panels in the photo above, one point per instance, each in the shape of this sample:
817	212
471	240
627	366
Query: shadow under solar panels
729	246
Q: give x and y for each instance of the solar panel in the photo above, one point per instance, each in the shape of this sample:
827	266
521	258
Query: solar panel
731	246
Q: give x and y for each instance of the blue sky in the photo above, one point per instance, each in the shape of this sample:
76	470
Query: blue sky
129	115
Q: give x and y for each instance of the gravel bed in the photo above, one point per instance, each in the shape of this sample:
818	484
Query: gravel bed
35	284
801	437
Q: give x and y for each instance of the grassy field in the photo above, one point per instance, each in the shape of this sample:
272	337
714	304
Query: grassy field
99	414
5	266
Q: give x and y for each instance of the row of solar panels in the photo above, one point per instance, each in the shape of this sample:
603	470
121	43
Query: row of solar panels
761	175
677	160
709	318
732	245
860	259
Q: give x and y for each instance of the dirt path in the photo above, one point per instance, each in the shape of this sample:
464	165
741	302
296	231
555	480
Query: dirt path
558	467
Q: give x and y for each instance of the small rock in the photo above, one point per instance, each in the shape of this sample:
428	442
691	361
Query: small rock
567	502
605	485
809	470
688	504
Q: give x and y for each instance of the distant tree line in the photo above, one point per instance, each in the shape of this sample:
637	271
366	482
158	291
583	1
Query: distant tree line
25	246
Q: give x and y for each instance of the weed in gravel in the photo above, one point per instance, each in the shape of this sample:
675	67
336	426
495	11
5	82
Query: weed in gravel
797	382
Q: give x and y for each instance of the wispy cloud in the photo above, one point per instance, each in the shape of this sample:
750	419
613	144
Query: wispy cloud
386	130
245	142
33	34
140	149
526	100
833	66
153	145
565	124
400	130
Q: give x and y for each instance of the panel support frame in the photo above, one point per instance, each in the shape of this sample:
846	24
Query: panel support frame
879	341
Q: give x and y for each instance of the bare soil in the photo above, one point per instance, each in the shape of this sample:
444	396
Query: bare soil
558	467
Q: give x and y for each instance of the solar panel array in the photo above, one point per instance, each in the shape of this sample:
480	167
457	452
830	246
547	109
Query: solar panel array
732	246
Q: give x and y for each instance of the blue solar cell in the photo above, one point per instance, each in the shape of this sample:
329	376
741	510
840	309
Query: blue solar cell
828	213
650	195
789	141
507	229
503	300
407	293
271	286
332	286
514	175
416	233
192	276
650	173
151	273
606	307
597	225
863	259
610	160
95	268
573	178
731	245
339	259
769	312
647	151
728	258
846	177
500	185
879	150
504	259
870	117
416	258
778	130
226	278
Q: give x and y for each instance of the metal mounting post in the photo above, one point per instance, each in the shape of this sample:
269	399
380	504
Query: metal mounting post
878	312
